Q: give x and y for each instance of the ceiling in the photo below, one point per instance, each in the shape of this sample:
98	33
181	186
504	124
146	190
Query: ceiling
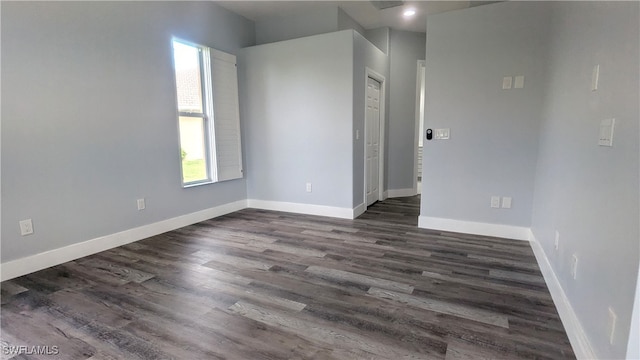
364	12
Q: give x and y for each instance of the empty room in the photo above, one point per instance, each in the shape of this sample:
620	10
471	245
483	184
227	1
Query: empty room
320	180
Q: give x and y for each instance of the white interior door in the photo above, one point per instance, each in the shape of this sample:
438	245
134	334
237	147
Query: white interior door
372	128
420	135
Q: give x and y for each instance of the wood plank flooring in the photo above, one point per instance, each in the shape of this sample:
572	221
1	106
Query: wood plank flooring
269	285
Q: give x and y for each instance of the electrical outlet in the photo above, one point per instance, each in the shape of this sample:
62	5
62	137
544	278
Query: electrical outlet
141	204
26	227
495	202
506	202
308	187
556	243
611	326
574	266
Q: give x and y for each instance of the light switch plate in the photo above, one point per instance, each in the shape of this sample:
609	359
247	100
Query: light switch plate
595	77
606	132
519	82
495	202
442	134
141	204
574	266
506	202
506	82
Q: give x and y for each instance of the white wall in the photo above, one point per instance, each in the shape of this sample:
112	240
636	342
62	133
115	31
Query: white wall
89	117
366	55
406	48
586	192
298	119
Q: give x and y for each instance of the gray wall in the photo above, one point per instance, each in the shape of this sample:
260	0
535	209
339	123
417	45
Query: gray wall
366	55
298	119
89	117
346	22
296	25
406	48
588	193
493	145
546	132
379	37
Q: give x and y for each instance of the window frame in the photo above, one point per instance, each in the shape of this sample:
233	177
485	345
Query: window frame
206	93
220	114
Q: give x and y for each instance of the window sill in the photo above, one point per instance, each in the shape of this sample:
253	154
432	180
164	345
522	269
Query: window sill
190	185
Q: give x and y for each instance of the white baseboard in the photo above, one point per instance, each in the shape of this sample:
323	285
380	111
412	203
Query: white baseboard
577	337
29	264
298	208
394	193
385	194
476	228
359	210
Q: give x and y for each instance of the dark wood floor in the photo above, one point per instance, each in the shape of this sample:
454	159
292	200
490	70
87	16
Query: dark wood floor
268	285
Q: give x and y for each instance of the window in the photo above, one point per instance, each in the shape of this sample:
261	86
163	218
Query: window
208	116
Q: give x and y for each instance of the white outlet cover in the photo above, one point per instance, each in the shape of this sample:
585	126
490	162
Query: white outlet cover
141	204
495	202
506	202
26	227
309	187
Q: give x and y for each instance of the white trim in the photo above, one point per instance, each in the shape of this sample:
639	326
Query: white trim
577	337
370	73
477	228
393	193
29	264
359	210
385	194
298	208
416	141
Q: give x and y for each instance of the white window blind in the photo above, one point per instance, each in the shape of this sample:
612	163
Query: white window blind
226	116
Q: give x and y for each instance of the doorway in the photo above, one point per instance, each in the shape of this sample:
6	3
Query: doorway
372	141
374	124
419	127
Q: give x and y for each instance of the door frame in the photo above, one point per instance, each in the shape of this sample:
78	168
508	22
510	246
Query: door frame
370	73
416	140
